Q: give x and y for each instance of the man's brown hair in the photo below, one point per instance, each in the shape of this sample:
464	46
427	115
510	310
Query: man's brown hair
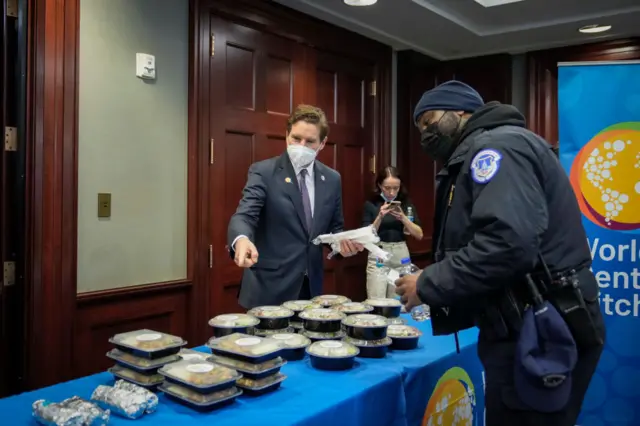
312	115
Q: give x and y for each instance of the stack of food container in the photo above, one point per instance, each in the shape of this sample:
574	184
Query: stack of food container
139	354
200	384
403	337
298	306
257	358
322	324
271	320
224	325
368	333
332	355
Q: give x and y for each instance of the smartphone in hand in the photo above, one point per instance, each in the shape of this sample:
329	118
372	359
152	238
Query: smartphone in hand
396	205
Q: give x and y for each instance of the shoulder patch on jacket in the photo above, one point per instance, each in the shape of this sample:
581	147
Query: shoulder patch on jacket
485	165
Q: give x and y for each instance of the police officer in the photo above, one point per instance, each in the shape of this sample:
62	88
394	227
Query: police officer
505	210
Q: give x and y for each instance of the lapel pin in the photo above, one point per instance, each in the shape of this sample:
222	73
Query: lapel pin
288	180
321	177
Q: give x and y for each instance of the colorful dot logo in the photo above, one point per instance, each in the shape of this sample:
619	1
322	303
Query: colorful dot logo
605	176
453	400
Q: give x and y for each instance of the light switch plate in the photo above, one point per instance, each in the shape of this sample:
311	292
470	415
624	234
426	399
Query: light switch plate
104	205
145	66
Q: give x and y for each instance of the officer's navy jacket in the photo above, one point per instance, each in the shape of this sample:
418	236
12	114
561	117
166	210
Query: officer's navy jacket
508	199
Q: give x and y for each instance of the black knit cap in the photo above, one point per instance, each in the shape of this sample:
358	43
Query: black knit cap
450	96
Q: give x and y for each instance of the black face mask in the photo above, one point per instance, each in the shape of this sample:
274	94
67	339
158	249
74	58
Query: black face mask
438	146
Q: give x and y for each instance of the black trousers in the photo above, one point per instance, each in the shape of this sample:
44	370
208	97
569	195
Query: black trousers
504	408
305	290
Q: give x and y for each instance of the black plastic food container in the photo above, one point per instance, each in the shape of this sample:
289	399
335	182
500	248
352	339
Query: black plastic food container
139	343
371	348
319	337
272	317
404	343
404	337
325	356
365	327
237	341
249	373
388	308
170	370
322	320
268	385
200	406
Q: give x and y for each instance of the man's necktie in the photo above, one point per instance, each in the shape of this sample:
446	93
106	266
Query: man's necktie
306	202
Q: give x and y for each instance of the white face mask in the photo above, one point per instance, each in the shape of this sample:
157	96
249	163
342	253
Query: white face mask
300	155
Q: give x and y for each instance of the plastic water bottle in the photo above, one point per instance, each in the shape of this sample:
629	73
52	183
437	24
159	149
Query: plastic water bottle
410	217
422	312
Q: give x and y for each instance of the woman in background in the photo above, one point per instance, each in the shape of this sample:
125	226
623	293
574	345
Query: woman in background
394	217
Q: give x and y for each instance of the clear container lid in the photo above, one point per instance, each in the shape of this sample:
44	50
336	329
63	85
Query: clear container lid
353	307
259	384
382	302
323	336
199	373
333	349
298	305
322	314
147	340
136	377
248	367
291	340
139	362
266	312
233	321
199	398
403	331
365	321
396	321
330	299
369	343
270	333
190	354
245	345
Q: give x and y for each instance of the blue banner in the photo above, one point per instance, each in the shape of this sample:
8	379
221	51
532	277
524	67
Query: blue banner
599	129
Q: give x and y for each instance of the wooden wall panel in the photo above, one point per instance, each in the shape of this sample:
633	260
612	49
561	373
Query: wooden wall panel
543	78
490	76
164	309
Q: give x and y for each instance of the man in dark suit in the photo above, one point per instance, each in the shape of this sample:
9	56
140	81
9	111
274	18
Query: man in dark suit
287	202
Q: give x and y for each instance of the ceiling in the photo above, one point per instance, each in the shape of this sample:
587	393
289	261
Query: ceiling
453	29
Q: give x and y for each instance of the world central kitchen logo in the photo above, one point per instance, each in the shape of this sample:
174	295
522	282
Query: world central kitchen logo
605	176
453	401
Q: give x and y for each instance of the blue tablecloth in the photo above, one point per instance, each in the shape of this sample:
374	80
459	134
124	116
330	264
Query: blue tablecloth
387	392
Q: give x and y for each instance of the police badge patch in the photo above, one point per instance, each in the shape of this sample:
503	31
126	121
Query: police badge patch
485	165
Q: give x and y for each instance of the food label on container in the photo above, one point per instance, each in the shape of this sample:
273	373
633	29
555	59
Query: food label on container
199	368
283	336
331	344
192	356
149	337
248	341
228	317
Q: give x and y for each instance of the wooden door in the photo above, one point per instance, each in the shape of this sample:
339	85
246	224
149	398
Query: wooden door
12	92
256	79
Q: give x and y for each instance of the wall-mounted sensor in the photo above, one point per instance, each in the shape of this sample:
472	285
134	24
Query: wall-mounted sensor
145	66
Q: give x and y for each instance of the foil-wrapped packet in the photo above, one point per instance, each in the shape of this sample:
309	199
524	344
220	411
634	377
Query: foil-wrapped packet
74	411
152	398
125	399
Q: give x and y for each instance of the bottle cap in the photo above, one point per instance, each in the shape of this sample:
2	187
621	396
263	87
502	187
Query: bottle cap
405	260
